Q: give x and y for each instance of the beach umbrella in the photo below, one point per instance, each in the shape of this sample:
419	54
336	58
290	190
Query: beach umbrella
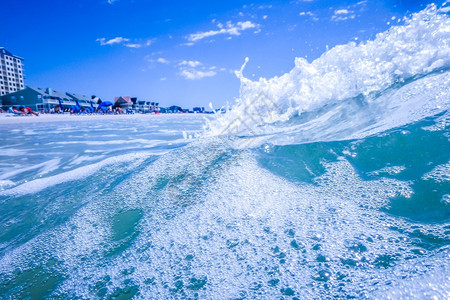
60	105
77	107
105	103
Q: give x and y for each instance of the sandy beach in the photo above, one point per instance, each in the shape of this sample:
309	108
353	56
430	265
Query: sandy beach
6	118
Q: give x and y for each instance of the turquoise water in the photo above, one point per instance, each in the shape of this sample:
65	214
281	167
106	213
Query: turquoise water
356	218
300	191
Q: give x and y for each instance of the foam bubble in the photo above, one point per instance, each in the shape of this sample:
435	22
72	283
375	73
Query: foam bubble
6	183
440	173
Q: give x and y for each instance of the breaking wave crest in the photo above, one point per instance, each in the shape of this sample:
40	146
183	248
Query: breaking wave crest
363	88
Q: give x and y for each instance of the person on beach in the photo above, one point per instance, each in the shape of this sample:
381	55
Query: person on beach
22	110
30	111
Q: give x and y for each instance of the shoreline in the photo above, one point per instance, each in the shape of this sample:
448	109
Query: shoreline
6	118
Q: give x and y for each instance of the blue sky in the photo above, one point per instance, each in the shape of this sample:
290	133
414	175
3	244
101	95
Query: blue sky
180	52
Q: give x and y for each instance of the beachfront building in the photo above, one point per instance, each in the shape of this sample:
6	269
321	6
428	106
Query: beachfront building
144	106
83	100
123	102
174	109
11	72
45	99
29	96
132	103
198	110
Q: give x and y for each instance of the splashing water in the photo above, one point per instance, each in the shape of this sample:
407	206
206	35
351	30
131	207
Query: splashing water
357	84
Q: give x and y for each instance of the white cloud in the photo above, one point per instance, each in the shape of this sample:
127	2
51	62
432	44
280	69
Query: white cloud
195	70
190	63
153	61
112	1
116	40
196	74
163	61
347	13
125	41
246	25
309	14
342	15
133	45
341	12
163	79
228	29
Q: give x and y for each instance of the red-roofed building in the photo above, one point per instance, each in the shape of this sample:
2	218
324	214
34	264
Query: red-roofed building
123	101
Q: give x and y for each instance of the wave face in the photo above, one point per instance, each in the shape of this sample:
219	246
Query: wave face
352	90
333	183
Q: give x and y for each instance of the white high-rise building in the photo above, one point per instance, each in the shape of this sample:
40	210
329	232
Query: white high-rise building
11	72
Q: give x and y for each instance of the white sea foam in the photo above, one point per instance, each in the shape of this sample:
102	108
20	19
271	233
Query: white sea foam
93	151
238	227
152	142
75	118
13	152
49	166
440	173
390	170
83	158
434	284
45	167
6	183
38	185
418	48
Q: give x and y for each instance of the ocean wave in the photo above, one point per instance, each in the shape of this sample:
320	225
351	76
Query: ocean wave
363	79
341	190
